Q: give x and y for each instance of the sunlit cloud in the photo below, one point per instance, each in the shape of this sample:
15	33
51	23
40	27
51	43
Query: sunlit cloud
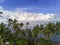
26	16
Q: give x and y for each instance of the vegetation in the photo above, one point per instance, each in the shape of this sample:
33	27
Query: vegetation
13	32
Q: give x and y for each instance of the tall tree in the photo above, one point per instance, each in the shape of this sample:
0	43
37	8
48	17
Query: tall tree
1	13
27	25
49	29
58	27
35	33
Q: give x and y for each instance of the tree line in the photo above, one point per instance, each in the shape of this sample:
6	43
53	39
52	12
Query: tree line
12	32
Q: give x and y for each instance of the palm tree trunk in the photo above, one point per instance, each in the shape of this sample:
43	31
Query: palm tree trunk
48	38
35	42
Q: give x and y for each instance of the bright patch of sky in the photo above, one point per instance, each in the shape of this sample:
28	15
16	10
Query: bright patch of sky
31	10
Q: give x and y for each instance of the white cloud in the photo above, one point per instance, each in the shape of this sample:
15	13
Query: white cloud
35	17
25	16
1	8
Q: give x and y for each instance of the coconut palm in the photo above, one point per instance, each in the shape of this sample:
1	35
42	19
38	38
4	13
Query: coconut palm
17	27
58	27
10	22
49	29
4	32
21	24
21	31
15	21
41	29
36	30
1	13
12	25
27	25
35	33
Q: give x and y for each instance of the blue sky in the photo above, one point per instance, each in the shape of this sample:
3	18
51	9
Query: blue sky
31	10
38	6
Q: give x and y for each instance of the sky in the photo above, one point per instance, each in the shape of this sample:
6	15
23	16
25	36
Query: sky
30	10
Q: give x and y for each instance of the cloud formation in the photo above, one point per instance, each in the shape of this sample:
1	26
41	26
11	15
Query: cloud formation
26	16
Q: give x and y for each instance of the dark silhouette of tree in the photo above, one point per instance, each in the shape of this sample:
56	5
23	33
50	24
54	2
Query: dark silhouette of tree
1	13
33	34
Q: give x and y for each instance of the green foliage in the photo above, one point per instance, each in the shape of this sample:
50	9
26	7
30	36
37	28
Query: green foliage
22	42
28	36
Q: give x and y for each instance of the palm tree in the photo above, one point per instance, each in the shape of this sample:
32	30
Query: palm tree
12	25
1	28
17	27
36	30
35	33
15	21
10	22
3	31
27	25
41	29
21	24
49	29
21	31
1	13
58	27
